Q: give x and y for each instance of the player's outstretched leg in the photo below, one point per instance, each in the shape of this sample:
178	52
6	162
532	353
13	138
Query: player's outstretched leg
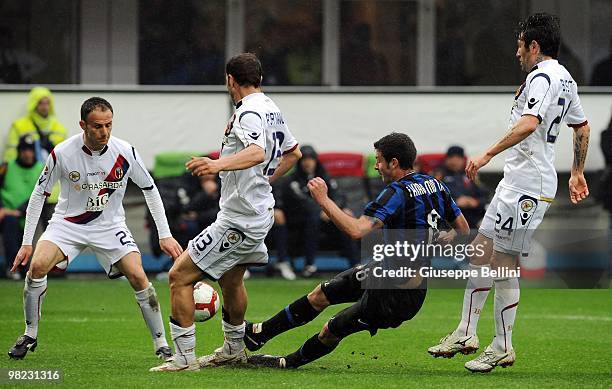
131	266
234	307
183	275
45	257
345	323
500	352
298	313
464	339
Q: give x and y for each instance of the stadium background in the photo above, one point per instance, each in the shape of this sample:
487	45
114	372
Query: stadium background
449	67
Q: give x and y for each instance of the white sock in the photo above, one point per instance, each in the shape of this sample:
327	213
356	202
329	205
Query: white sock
474	299
151	312
33	295
234	337
507	295
184	344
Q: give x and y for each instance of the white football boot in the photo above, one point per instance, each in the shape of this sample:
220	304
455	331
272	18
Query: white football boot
489	359
452	344
220	358
172	366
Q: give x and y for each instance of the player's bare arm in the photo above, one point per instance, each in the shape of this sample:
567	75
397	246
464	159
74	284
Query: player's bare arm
353	227
578	187
252	155
287	162
524	127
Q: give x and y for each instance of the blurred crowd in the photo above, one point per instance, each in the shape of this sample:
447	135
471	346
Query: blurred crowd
303	237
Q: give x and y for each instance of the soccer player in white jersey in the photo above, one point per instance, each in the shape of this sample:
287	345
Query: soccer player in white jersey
93	168
547	98
257	146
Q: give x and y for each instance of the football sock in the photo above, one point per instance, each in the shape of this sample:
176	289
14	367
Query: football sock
234	337
294	315
184	343
474	298
151	312
507	295
33	294
311	350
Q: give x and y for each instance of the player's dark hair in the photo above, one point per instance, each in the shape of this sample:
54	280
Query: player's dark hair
91	104
544	29
398	146
246	69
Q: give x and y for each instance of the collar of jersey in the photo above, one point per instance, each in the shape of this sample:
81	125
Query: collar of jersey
87	151
247	97
543	64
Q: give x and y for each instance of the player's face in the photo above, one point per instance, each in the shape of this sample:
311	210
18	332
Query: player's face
525	56
97	128
383	168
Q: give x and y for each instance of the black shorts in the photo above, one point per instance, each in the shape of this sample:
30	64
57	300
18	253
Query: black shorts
373	308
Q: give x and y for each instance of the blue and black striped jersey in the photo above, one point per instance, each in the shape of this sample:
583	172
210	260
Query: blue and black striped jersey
415	202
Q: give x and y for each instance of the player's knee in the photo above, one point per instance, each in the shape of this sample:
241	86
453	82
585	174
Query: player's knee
317	299
174	278
326	337
138	280
37	270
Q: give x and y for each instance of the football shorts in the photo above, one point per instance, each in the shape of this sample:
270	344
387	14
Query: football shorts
230	242
108	244
511	219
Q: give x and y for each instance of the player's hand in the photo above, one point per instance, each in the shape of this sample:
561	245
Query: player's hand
474	164
22	257
578	188
318	189
446	237
171	247
200	166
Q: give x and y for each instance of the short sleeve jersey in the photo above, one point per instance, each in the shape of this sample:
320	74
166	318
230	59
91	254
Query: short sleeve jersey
92	184
257	120
551	95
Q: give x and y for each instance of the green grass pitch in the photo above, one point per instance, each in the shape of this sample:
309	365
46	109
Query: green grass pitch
93	330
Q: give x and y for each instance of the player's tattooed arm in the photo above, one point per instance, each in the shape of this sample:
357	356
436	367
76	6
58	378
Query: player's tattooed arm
581	147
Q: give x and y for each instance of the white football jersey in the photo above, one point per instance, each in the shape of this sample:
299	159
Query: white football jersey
92	183
550	94
257	120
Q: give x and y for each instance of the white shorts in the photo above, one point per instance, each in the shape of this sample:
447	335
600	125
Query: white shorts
511	219
109	244
229	242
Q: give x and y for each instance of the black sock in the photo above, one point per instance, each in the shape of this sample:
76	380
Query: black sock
294	315
311	350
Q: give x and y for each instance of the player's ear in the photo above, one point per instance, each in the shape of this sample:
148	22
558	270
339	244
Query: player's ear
82	124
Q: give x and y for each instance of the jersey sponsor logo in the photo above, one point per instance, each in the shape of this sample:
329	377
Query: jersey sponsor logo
74	176
231	238
527	205
532	102
97	203
100	173
102	185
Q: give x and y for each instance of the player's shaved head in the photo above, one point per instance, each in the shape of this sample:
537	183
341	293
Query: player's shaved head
93	103
544	29
246	69
399	146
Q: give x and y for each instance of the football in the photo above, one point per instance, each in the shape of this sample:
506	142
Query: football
206	301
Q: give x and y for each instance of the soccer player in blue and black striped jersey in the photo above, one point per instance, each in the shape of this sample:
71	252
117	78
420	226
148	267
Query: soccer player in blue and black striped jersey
411	202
